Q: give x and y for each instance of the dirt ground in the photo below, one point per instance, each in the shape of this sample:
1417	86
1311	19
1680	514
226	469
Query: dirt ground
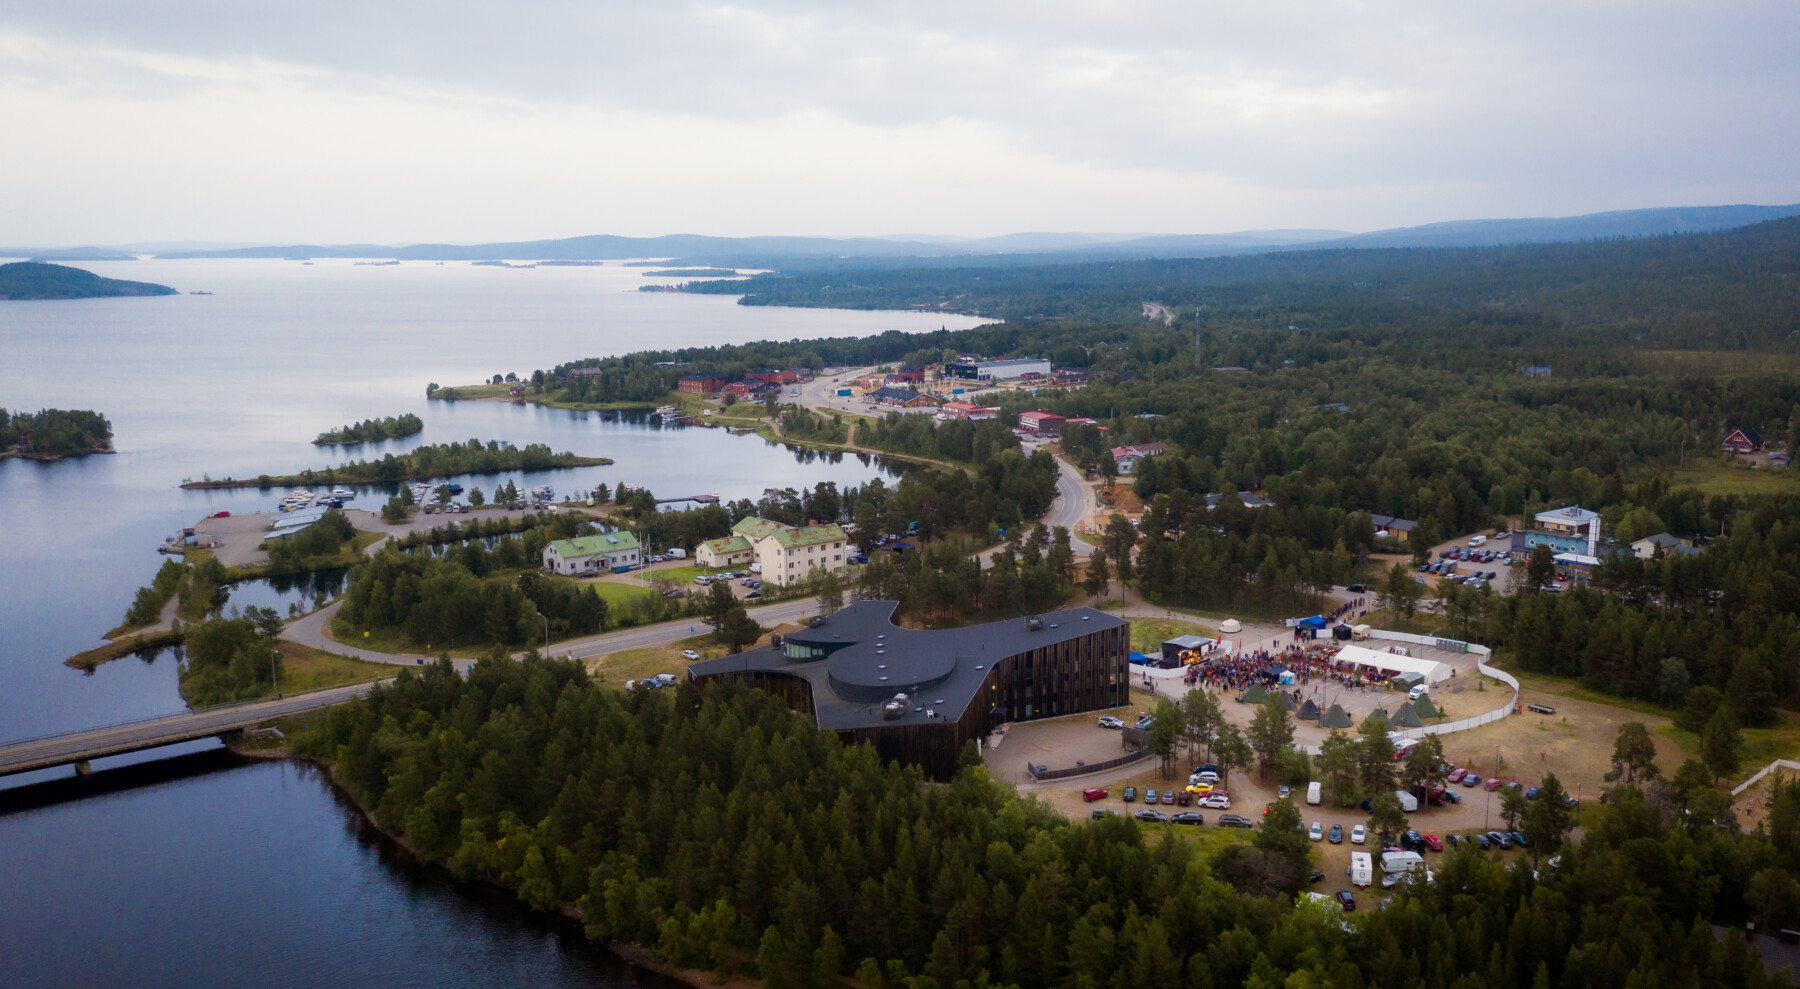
1752	806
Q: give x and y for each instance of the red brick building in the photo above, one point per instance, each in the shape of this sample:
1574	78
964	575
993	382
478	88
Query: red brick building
702	384
1041	423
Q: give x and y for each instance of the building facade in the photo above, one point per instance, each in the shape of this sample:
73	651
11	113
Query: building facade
702	384
1564	530
789	554
592	554
1041	423
732	551
918	696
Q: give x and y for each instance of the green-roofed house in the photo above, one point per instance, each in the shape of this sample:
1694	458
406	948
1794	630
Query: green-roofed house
589	555
731	551
788	554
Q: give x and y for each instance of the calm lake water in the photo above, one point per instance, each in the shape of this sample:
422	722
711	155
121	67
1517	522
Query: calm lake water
237	383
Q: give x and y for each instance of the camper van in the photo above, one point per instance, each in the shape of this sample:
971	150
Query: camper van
1362	869
1475	541
1401	861
1408	802
1313	793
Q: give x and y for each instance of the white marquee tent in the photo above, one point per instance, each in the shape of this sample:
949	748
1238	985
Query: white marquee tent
1432	670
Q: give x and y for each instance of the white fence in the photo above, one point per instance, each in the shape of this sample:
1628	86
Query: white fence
1766	770
1482	653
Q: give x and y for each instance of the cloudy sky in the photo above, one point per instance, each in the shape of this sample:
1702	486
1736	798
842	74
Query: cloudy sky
328	121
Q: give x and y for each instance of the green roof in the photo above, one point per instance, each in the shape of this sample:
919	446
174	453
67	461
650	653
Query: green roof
789	537
727	546
608	542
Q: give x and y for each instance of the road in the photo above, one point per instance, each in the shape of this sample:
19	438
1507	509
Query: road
310	631
58	750
821	393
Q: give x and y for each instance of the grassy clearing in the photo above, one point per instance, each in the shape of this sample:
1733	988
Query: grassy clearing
1729	479
395	640
122	648
637	664
1148	634
686	575
306	668
618	595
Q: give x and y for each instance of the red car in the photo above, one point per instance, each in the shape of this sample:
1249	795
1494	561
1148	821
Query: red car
1092	794
1431	841
1456	775
1491	785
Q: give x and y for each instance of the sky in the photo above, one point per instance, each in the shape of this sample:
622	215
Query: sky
338	122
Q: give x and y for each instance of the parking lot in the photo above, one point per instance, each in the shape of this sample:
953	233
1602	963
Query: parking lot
1452	561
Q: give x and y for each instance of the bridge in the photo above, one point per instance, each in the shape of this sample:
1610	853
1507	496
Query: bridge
78	747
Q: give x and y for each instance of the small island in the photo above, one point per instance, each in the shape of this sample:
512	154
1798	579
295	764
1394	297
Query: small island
24	280
424	463
53	434
373	430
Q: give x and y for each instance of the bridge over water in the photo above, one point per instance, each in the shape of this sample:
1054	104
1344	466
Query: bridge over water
77	748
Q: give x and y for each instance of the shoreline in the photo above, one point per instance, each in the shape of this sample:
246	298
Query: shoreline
628	952
331	476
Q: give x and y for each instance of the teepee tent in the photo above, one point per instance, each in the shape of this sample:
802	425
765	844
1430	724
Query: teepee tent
1287	700
1255	695
1309	711
1424	707
1336	717
1406	717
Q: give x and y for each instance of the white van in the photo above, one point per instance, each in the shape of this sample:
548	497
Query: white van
1362	869
1313	793
1475	541
1418	691
677	554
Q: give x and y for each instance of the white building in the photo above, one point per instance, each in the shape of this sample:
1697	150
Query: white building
788	554
592	554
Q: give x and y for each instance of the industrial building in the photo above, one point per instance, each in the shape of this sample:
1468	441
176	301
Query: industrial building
919	695
1010	370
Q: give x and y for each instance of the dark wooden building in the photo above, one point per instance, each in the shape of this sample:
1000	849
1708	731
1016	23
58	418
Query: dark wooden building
919	696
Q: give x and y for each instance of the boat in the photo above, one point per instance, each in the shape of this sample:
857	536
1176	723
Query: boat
668	413
342	494
454	489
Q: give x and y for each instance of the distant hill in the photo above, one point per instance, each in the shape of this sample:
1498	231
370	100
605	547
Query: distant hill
1548	230
36	280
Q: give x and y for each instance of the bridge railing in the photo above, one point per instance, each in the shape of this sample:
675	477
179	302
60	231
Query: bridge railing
208	709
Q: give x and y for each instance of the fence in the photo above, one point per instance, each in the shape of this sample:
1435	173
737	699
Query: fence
1766	770
1092	767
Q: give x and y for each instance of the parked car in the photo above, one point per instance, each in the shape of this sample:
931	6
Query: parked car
1491	785
1316	832
1199	789
1093	793
1518	838
1391	879
1151	817
1316	878
1235	821
1337	834
1500	838
1347	900
1101	812
1215	801
1431	841
1108	721
1129	795
1454	840
1482	841
1184	798
1168	796
1151	797
1456	775
1359	835
1470	779
1284	791
1187	817
690	655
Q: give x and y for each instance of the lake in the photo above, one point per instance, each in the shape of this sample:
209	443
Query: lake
238	383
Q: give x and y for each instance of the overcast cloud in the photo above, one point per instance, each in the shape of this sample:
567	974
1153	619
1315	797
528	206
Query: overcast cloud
337	121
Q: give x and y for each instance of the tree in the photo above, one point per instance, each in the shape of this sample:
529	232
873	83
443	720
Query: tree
1424	765
1203	717
1061	556
476	498
1403	591
1375	756
1162	737
1097	581
1387	820
1634	752
1231	751
831	593
1513	806
1270	730
1281	833
1540	571
739	629
1721	743
1337	764
1702	701
717	605
1121	535
1548	819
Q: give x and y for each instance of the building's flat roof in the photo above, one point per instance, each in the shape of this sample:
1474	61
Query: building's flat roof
872	660
1013	362
1571	515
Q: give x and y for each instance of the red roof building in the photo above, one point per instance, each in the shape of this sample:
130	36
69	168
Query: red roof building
1041	423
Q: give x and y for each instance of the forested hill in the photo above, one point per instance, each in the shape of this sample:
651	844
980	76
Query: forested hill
1737	281
36	280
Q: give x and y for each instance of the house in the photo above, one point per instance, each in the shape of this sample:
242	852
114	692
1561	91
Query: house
1069	377
591	554
1780	458
1649	547
919	696
1536	371
1084	421
1127	457
906	376
1565	530
702	384
750	387
969	411
732	551
583	372
1041	423
1252	499
1394	528
789	554
1743	440
901	398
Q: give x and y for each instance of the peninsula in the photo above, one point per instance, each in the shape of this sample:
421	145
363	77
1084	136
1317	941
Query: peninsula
22	280
424	463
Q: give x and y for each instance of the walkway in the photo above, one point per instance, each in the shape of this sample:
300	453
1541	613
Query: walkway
94	743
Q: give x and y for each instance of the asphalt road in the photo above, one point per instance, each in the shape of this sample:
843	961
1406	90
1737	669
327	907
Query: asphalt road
62	749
